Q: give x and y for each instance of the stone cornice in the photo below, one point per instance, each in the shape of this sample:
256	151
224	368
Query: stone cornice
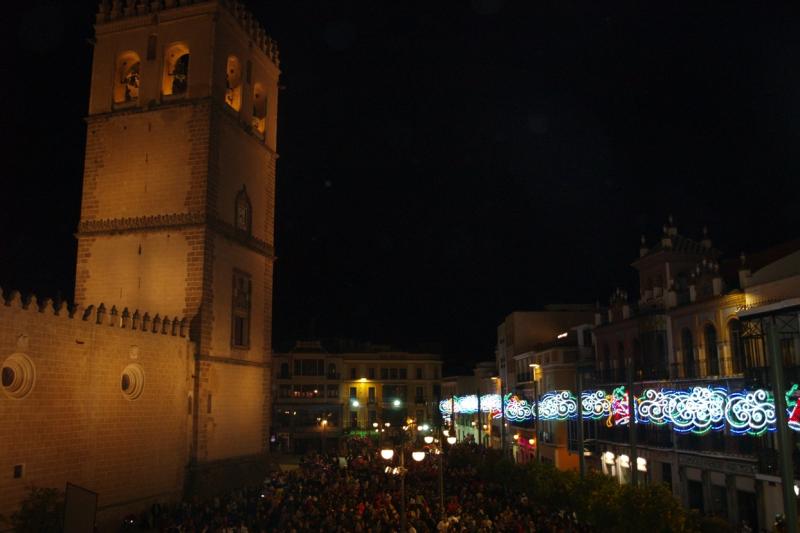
183	102
90	228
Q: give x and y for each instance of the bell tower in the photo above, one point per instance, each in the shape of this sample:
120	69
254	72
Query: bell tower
178	198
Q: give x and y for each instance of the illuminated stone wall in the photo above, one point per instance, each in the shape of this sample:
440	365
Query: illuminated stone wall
163	172
74	423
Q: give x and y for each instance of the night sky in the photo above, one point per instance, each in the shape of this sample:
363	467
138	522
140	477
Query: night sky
445	163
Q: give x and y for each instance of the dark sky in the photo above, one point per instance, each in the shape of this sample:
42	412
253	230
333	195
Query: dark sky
445	163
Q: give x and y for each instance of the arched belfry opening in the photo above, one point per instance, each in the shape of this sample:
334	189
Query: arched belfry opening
259	109
233	83
176	70
126	80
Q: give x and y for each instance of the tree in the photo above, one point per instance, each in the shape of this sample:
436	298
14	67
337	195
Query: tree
40	512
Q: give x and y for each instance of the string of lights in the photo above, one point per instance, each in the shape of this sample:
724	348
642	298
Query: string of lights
697	410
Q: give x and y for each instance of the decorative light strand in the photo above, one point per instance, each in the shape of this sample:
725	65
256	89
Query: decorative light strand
697	410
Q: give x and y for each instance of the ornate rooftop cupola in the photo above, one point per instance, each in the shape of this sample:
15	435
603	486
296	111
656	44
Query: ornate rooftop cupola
706	242
666	241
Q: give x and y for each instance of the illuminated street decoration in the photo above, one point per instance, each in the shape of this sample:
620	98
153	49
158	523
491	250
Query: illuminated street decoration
619	415
490	403
558	405
518	410
751	412
698	410
793	407
595	404
653	406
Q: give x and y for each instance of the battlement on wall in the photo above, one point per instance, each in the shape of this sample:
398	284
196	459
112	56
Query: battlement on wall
100	315
109	11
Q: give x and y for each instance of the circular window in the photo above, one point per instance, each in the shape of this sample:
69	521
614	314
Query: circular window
17	376
132	382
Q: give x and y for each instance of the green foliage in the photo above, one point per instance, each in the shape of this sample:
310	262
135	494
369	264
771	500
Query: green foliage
597	500
40	512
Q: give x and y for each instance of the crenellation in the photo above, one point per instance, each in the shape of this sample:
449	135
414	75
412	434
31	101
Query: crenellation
30	301
140	8
89	314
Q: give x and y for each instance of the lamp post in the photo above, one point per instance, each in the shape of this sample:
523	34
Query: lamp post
499	381
536	368
323	423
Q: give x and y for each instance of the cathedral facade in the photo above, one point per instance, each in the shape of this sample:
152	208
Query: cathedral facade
158	377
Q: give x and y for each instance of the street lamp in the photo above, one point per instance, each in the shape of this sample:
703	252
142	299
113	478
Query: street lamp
536	368
451	440
323	423
428	439
387	453
418	456
502	414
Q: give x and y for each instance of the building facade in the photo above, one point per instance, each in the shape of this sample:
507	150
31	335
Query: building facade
177	219
685	331
320	396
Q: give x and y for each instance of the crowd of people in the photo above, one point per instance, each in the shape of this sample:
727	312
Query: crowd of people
357	494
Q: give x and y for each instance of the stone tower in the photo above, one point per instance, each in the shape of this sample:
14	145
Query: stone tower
178	199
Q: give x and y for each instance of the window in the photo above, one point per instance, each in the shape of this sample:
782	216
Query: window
687	346
419	372
298	367
244	212
259	120
352	393
132	382
420	397
126	82
371	373
18	376
393	373
354	419
352	372
233	83
331	370
384	373
420	416
240	334
403	373
333	391
735	340
284	371
176	70
285	391
373	417
712	354
371	392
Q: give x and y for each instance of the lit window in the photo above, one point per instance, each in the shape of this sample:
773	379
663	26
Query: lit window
233	83
176	70
126	83
259	120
